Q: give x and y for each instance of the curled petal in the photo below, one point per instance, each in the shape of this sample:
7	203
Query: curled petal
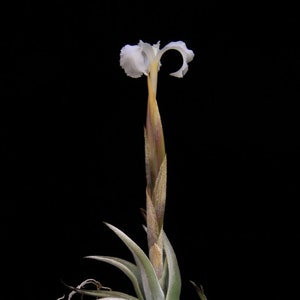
136	59
133	61
187	56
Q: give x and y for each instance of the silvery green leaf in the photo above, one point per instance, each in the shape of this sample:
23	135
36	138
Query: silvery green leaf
151	286
126	267
199	290
174	284
164	278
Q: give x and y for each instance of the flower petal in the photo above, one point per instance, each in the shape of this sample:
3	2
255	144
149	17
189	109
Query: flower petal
148	50
187	56
133	61
151	53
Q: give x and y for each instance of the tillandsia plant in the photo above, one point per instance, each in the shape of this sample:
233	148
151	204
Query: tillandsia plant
154	275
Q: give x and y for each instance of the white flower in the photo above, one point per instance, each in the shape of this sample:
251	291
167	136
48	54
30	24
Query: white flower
136	59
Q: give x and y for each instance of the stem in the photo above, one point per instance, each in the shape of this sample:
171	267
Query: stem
153	76
156	174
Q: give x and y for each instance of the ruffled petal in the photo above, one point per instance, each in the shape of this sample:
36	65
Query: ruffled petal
136	60
133	61
187	56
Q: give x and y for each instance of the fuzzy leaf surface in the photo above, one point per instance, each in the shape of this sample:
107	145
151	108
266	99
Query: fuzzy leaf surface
126	267
151	286
174	278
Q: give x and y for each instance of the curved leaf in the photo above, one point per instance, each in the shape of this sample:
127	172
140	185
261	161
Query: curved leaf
126	267
171	272
199	290
152	288
174	284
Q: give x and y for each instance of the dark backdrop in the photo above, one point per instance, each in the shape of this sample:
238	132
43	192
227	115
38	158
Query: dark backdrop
72	148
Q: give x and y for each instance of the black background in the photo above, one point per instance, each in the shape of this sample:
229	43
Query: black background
72	148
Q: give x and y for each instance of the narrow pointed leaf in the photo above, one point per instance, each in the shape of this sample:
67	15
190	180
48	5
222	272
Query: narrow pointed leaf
126	267
151	284
174	284
164	278
199	290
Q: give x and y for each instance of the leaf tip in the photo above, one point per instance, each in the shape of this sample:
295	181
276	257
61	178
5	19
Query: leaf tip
199	290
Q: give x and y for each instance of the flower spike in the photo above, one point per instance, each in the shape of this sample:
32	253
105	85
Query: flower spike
137	60
155	276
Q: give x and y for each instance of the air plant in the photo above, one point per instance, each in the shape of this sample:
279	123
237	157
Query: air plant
154	275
